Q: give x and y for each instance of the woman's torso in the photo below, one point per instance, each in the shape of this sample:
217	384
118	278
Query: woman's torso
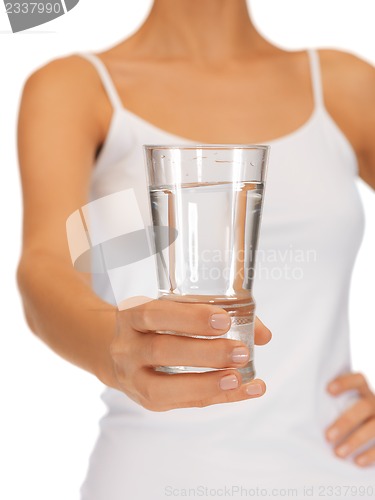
311	230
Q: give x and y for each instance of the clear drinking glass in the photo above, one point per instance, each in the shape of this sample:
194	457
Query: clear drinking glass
206	204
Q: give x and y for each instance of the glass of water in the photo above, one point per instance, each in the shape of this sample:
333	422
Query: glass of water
206	204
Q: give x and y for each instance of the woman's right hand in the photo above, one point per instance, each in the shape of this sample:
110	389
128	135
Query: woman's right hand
136	350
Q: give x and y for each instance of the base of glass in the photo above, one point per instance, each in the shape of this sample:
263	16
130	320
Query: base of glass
247	372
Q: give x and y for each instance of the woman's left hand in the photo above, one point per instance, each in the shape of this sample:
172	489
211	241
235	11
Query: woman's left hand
356	426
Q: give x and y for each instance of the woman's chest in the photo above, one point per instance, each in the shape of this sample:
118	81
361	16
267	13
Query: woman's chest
250	104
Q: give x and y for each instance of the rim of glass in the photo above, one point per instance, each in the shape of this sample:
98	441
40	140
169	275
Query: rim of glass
207	146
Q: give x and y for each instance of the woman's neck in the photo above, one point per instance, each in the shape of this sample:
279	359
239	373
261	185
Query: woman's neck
204	31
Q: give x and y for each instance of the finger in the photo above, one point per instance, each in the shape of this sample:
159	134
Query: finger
160	392
349	420
347	382
262	335
364	434
157	349
193	319
203	320
367	458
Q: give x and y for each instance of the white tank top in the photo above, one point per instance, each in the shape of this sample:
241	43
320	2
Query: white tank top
311	231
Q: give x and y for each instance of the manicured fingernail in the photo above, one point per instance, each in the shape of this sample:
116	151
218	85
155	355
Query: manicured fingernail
362	460
333	434
220	321
254	390
334	387
228	382
240	355
343	450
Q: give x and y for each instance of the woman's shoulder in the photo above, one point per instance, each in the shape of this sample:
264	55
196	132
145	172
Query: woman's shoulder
62	76
348	70
349	93
68	87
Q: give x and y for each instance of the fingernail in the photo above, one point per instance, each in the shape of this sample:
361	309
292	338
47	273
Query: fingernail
254	390
333	434
220	321
343	450
228	382
362	461
240	355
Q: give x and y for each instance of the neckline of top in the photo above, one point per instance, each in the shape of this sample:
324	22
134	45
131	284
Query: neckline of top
319	108
318	111
118	105
156	128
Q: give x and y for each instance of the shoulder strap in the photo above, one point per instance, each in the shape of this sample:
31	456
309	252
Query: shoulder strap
316	78
105	78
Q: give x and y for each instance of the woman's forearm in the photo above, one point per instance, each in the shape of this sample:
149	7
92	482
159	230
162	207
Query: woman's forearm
63	311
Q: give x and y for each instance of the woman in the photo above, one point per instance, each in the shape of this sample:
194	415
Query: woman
200	72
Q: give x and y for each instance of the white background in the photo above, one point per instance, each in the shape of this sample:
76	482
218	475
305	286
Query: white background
50	409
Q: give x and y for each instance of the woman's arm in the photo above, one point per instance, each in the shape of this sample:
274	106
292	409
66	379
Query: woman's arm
350	97
58	134
60	128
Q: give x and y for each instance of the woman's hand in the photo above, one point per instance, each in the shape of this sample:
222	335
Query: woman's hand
356	427
137	349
